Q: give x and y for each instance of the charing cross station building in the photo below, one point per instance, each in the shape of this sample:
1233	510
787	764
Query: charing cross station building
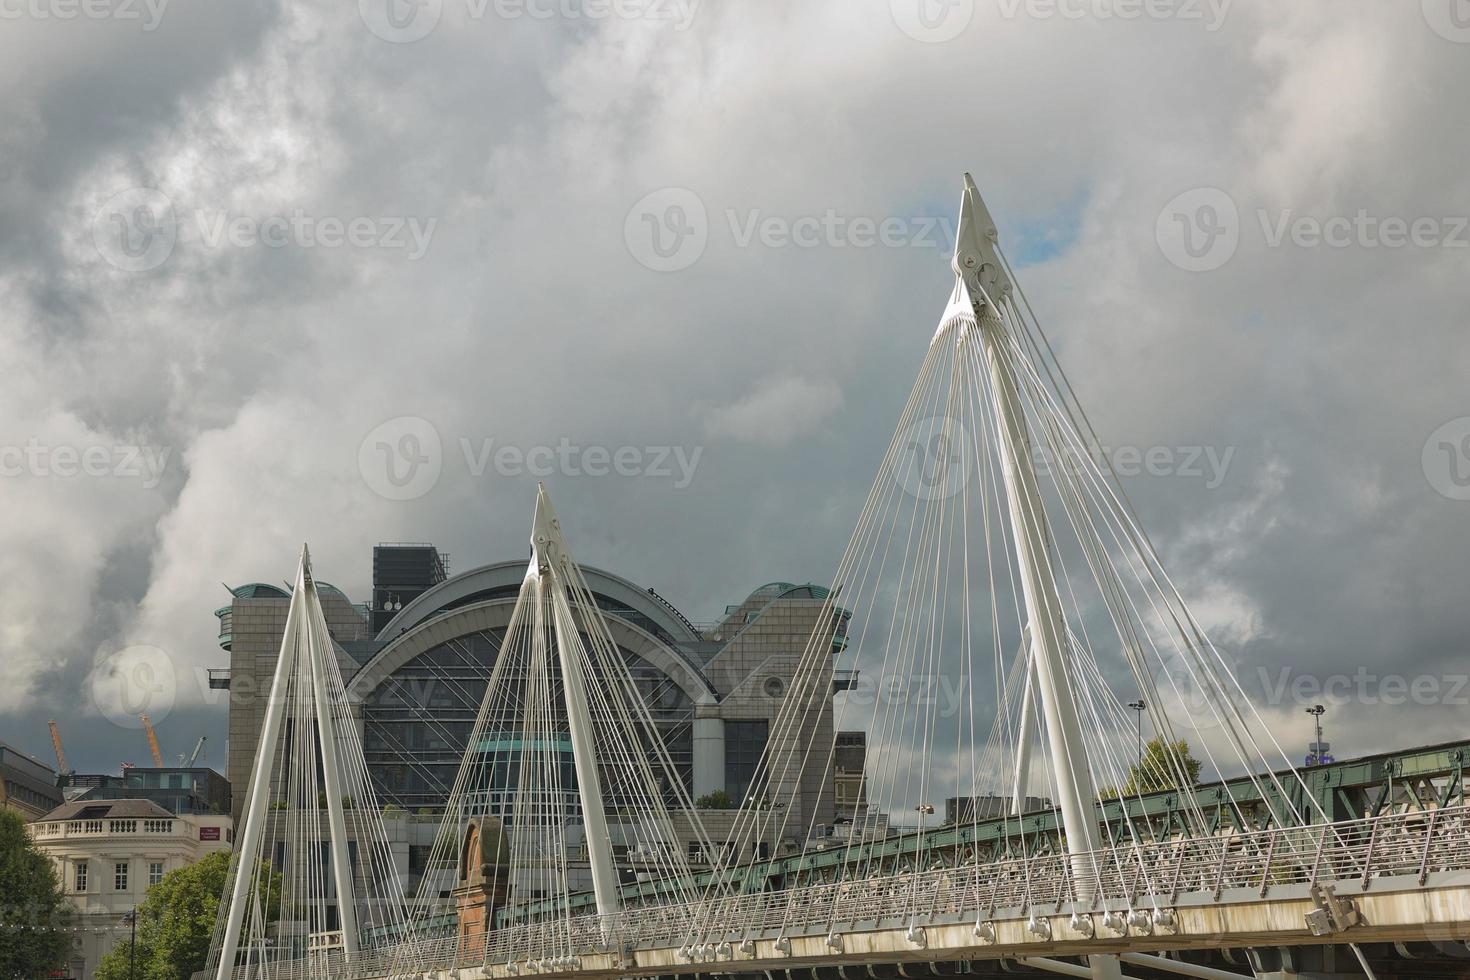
416	659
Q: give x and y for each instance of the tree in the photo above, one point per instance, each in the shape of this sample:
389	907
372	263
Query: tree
718	800
176	922
1160	768
31	899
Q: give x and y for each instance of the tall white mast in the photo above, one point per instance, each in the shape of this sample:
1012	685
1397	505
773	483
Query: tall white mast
305	645
982	286
548	565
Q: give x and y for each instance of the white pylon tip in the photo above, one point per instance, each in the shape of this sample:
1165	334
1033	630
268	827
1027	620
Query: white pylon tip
976	261
546	541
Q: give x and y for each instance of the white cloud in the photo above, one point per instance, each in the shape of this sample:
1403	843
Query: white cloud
528	321
776	413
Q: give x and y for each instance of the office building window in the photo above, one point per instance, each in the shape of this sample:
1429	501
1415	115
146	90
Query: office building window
80	876
120	876
745	741
155	872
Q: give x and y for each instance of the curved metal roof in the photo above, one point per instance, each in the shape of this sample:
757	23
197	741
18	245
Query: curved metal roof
489	580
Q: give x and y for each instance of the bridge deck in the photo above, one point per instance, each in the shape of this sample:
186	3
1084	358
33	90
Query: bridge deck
1404	877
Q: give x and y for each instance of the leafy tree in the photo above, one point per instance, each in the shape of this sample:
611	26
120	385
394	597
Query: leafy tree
1160	768
176	922
718	800
31	898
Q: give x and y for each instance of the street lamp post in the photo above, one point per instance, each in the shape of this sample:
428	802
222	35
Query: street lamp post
1138	707
132	918
1317	755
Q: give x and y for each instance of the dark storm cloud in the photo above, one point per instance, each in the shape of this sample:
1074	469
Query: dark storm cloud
531	317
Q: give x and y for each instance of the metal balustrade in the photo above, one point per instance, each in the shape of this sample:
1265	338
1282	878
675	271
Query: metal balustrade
1149	876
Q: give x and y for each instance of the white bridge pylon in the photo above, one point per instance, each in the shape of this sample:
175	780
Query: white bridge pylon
569	765
997	553
311	875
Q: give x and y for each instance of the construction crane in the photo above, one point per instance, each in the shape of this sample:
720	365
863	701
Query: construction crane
61	766
152	742
193	756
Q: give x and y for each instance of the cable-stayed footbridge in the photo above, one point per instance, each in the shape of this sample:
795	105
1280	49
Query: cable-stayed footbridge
996	550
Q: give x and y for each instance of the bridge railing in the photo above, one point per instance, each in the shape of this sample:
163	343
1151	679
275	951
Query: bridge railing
1142	875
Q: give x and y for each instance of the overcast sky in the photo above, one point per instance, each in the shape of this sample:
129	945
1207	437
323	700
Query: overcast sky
356	272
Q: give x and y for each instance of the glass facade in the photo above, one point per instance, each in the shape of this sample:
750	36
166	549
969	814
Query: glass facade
417	726
745	743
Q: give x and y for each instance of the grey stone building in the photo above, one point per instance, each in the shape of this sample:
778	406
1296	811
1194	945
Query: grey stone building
416	681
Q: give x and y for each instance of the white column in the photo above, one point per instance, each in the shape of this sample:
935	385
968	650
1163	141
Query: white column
709	755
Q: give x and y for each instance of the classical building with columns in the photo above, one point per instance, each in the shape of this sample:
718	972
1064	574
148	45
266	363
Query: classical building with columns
417	655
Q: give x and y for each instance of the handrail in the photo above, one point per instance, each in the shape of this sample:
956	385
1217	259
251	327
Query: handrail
1139	876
